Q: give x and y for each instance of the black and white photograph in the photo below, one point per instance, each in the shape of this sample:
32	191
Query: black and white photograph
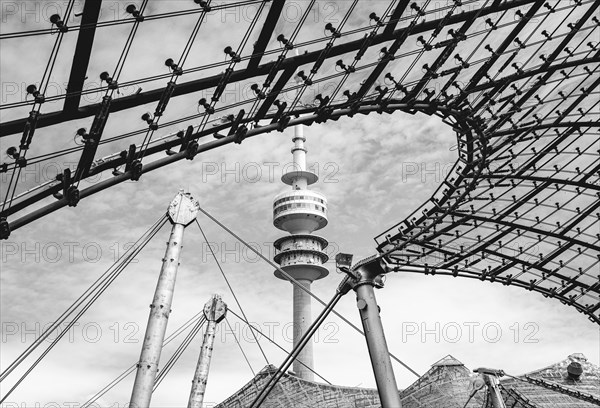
299	203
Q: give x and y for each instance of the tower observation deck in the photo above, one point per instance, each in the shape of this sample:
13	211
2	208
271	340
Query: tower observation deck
301	254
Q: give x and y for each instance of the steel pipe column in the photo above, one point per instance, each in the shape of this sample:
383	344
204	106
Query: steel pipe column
368	277
214	312
490	377
494	391
182	211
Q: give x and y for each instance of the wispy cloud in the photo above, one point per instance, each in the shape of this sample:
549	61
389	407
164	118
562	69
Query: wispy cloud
375	170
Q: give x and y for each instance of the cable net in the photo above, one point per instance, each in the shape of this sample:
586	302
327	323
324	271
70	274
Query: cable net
516	80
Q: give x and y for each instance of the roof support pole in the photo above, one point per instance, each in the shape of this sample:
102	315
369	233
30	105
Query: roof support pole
182	211
494	391
368	277
490	378
214	311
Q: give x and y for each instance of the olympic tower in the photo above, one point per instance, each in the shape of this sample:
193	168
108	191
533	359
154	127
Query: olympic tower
300	254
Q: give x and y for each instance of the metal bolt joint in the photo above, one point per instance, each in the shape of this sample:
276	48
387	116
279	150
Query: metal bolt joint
369	273
215	309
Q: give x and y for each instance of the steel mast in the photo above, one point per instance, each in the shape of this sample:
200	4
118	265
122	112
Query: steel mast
367	275
182	211
214	311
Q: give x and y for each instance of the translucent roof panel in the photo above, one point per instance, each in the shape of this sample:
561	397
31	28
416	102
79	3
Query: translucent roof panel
110	87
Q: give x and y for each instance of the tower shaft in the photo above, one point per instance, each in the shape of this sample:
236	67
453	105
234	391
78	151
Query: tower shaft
302	320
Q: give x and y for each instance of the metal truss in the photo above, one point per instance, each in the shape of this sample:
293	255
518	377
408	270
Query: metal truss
516	80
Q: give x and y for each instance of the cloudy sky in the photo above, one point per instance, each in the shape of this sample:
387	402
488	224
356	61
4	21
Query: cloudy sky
375	170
